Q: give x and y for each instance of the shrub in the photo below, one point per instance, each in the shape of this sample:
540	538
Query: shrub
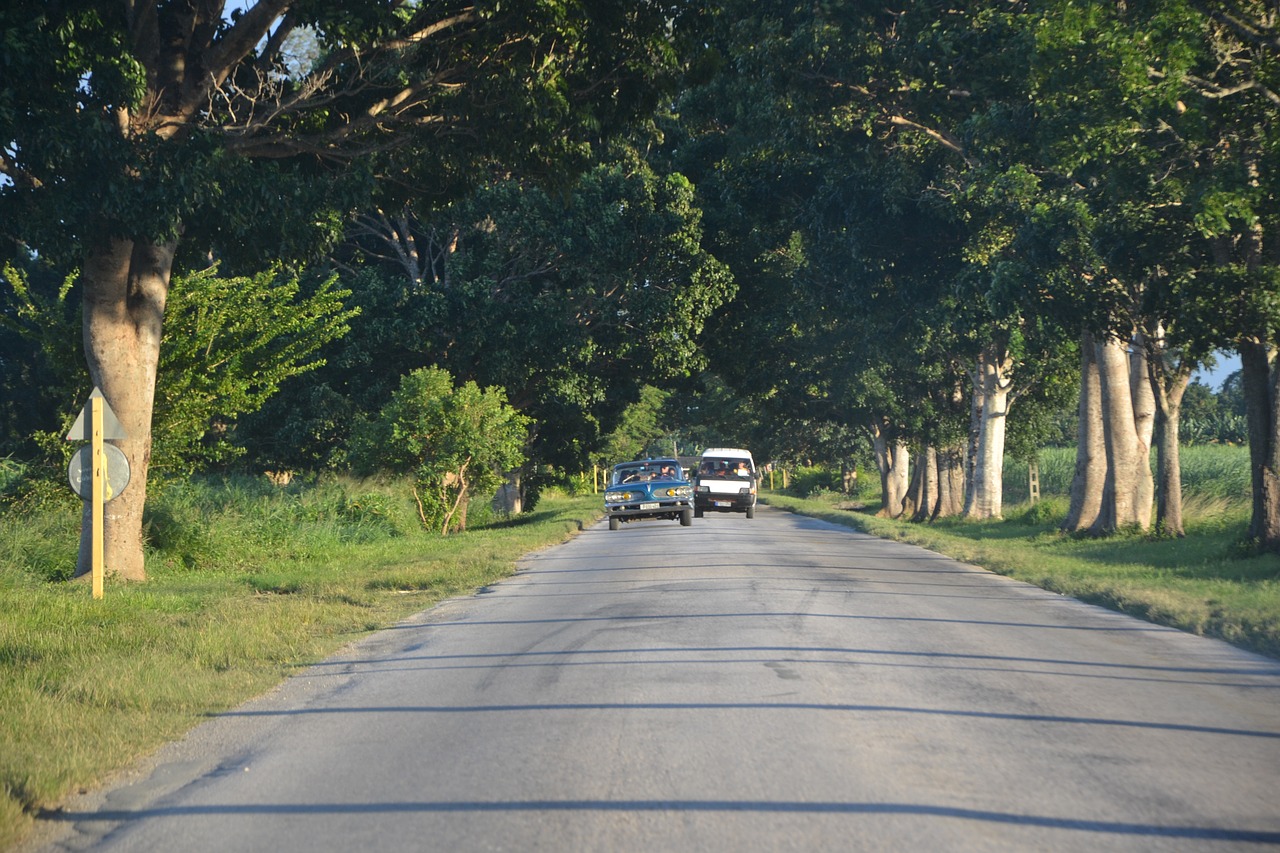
813	480
454	443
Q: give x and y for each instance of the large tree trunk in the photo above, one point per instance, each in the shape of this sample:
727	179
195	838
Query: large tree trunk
991	386
1260	382
1169	464
508	499
893	461
1129	488
126	285
1089	480
924	486
1169	384
951	485
1144	425
971	448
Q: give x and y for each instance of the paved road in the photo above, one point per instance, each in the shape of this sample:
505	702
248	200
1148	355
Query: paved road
774	684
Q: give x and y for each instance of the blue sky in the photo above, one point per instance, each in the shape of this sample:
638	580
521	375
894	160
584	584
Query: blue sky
1228	363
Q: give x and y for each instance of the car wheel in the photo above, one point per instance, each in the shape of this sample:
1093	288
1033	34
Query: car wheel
751	512
686	518
614	523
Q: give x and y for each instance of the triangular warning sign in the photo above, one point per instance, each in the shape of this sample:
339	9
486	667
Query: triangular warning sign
82	429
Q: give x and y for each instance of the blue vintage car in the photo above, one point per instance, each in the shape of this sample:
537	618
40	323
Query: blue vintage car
651	488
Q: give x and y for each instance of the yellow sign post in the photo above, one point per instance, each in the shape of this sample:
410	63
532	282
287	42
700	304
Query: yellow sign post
99	478
99	425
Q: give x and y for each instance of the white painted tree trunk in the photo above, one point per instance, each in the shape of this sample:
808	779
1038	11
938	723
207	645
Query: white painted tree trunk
893	461
899	478
991	383
1127	424
1144	425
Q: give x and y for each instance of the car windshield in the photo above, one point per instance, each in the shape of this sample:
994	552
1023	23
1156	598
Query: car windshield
725	469
645	471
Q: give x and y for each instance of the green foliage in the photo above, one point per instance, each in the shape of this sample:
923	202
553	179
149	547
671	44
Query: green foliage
571	302
199	523
41	521
229	343
1214	427
848	215
41	364
574	302
454	443
814	480
307	424
10	472
638	429
527	86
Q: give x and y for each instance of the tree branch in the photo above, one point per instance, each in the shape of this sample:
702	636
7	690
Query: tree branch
1255	32
945	139
252	27
1213	91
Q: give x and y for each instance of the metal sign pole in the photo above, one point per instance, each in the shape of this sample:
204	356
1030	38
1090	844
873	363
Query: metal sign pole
99	478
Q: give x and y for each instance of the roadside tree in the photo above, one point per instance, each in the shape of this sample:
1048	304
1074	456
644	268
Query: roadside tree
572	301
136	135
455	443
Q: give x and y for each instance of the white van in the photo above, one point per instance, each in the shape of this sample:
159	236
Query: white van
725	481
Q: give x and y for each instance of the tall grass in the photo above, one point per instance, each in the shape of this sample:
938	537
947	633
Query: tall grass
1208	471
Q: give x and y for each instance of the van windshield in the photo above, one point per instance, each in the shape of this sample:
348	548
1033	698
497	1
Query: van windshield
725	469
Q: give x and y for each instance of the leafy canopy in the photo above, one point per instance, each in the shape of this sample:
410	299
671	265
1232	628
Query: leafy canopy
230	342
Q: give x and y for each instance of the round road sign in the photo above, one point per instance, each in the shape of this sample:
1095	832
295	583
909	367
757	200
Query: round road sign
80	472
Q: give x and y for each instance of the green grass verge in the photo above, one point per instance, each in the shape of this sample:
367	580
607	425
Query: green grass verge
1206	583
251	583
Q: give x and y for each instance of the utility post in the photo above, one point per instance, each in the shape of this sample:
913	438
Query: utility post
107	471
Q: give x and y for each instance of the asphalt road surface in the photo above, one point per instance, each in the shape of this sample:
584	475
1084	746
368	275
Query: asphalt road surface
772	684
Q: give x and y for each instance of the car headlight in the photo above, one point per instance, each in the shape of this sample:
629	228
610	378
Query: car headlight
680	492
616	497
